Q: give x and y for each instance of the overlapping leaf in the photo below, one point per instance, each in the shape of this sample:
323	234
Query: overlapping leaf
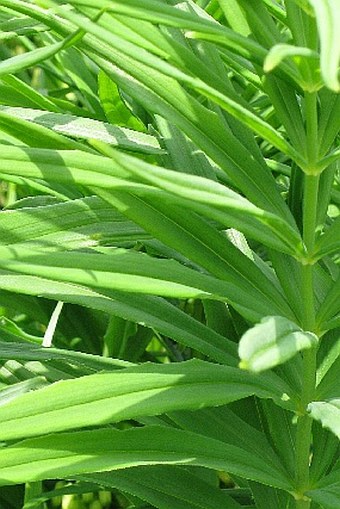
212	199
67	225
131	393
153	82
66	455
145	309
198	241
84	128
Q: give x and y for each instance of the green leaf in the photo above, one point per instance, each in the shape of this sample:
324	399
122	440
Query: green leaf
163	486
144	309
330	305
328	370
12	392
281	51
119	269
26	60
166	487
235	17
129	394
14	27
85	128
328	497
24	95
284	99
272	342
327	491
213	200
66	455
266	497
326	449
328	413
156	84
223	424
74	224
114	107
28	352
32	134
182	153
198	241
81	78
329	242
329	124
327	19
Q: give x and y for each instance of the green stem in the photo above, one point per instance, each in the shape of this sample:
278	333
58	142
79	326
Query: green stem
310	202
311	112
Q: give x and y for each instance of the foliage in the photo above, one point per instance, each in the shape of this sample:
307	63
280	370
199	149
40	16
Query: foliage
170	216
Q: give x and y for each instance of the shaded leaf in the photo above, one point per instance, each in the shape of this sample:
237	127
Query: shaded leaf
328	497
166	487
144	309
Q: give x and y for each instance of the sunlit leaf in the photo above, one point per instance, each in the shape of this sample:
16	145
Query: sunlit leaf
128	394
271	342
65	455
328	413
327	19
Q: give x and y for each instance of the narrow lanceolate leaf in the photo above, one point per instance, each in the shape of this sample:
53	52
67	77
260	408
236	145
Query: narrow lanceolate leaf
35	135
156	85
327	19
329	242
162	486
271	342
131	393
242	113
147	310
214	200
328	413
84	128
29	59
13	391
166	487
27	352
66	455
68	225
201	243
119	270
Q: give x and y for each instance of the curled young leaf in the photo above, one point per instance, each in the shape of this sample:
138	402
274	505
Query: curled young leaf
271	342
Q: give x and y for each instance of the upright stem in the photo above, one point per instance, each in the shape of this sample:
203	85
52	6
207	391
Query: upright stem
310	200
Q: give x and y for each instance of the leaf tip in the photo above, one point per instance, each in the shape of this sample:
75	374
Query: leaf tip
243	364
